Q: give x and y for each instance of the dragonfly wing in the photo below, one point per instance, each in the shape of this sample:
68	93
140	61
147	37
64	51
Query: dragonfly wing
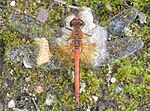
102	52
59	45
121	48
117	24
23	54
108	52
118	49
95	46
30	27
64	42
35	30
87	16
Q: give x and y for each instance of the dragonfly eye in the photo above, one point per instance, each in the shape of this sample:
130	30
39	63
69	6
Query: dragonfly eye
76	22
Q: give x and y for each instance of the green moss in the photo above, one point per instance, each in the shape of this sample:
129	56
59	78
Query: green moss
132	73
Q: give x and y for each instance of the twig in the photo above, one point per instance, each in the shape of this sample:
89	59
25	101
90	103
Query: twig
36	106
70	6
109	73
126	5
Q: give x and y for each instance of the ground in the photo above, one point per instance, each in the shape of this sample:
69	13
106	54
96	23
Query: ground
33	89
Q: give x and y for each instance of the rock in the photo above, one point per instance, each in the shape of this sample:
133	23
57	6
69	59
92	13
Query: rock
109	7
95	98
142	17
118	89
13	3
26	62
49	100
42	15
11	104
15	53
44	52
113	80
17	109
82	89
28	79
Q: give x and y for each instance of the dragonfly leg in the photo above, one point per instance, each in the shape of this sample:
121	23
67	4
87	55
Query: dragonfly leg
90	35
87	34
68	28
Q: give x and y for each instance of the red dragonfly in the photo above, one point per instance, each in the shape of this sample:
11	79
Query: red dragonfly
83	41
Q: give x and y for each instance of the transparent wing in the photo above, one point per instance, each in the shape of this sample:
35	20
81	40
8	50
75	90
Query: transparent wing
117	24
96	49
59	54
87	29
108	52
117	49
30	27
86	15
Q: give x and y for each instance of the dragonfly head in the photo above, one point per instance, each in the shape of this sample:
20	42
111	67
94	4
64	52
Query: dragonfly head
76	22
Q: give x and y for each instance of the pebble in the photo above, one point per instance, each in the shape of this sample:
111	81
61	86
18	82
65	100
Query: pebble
42	15
17	109
28	79
72	75
26	63
13	3
11	71
95	98
48	101
82	89
113	80
118	89
11	104
142	17
108	6
39	1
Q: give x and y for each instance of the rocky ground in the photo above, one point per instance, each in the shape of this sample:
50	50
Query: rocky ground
24	86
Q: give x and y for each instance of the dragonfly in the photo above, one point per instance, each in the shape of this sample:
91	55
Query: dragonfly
82	41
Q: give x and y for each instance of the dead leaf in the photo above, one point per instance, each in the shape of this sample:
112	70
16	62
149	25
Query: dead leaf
39	89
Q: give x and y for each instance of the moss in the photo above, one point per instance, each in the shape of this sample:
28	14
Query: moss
132	73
